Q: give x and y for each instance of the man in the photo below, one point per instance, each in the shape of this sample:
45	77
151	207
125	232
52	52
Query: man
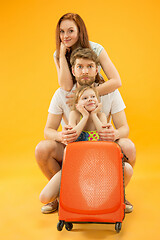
49	153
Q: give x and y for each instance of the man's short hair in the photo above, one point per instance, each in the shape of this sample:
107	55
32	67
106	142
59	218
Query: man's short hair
84	53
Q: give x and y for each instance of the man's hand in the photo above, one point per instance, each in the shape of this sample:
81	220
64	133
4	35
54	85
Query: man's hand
108	133
70	98
68	135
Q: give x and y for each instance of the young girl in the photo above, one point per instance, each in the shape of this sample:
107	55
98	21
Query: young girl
71	33
86	117
87	120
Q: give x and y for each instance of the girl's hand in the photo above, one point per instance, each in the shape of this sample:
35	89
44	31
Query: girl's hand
63	49
82	110
97	109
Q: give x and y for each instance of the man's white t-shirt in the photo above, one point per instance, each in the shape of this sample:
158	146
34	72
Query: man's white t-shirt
111	103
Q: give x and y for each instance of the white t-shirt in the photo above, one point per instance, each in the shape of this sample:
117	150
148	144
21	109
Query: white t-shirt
111	103
96	47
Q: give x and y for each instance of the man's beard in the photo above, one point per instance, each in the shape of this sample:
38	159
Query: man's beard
88	81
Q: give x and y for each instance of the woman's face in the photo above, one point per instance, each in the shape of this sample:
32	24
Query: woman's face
69	33
89	100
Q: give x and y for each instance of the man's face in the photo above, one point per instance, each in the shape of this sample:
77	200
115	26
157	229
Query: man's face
85	71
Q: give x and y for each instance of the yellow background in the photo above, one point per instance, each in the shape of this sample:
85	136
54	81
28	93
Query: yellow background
128	30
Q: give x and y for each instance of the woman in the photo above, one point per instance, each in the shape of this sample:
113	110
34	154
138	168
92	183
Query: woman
71	33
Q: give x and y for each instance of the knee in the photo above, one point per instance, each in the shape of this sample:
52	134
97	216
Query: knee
128	170
40	151
43	198
43	151
129	150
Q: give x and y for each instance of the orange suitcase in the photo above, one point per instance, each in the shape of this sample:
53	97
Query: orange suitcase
92	185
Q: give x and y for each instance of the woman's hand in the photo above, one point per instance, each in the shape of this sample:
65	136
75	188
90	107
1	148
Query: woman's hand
63	49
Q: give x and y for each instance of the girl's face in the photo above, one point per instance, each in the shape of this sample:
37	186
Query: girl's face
69	33
89	100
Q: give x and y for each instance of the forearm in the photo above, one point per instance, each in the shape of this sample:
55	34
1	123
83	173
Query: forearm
114	80
65	78
97	122
109	86
80	126
122	132
52	134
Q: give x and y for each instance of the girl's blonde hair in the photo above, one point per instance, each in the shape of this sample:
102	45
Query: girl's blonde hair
78	93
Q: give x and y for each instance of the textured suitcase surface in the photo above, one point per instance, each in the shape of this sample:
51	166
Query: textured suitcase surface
91	184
